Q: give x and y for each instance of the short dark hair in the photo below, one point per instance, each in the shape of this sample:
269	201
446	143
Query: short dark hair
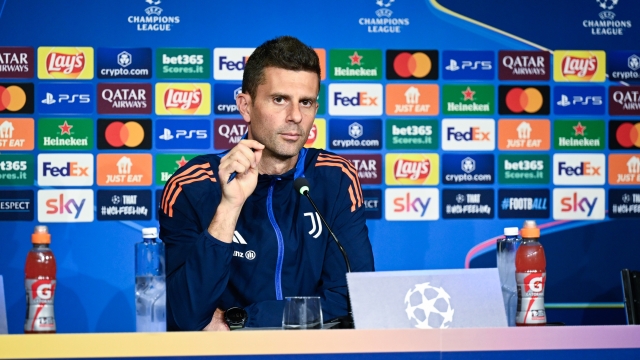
284	52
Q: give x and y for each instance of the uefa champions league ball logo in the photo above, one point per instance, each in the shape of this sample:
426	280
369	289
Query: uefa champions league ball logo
428	307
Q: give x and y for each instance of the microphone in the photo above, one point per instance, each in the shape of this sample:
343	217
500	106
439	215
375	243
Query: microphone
342	322
302	186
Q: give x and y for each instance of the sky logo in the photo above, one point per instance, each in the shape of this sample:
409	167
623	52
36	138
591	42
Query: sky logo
355	99
65	206
65	98
468	134
228	63
578	204
124	63
412	204
578	169
468	65
65	169
224	98
183	134
361	134
579	100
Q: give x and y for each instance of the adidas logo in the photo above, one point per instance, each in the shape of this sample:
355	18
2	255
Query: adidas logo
238	239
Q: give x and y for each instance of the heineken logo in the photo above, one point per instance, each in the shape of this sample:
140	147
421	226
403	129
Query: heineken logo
355	64
579	135
67	134
465	99
167	164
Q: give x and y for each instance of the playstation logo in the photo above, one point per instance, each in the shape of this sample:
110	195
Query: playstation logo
564	101
166	135
453	66
49	99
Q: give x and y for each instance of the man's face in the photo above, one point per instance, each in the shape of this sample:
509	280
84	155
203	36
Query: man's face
282	113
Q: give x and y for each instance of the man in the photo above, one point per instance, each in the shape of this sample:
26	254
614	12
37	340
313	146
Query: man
248	243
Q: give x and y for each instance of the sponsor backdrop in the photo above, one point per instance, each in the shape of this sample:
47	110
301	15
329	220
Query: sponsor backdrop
460	120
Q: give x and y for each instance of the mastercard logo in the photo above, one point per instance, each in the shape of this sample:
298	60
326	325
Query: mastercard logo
628	135
129	134
528	100
12	98
412	64
416	65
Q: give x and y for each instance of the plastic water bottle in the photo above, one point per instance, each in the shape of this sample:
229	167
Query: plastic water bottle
151	298
506	252
531	275
40	284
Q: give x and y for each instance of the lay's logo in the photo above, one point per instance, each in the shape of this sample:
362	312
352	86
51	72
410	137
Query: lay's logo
579	66
412	169
66	63
183	99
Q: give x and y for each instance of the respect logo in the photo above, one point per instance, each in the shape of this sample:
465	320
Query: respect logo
68	63
580	66
183	99
412	169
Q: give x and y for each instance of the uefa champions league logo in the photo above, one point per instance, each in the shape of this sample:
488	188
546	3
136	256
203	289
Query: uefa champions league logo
607	4
428	307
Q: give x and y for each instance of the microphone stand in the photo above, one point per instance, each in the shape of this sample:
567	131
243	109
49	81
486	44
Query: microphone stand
342	322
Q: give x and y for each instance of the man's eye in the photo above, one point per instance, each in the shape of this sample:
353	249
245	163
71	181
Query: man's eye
278	100
307	103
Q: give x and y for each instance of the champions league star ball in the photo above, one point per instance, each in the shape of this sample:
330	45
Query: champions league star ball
428	307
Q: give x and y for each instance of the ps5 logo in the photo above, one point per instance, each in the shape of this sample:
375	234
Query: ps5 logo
314	220
185	134
469	65
579	100
68	98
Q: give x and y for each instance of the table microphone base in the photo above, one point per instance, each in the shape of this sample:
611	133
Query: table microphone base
341	322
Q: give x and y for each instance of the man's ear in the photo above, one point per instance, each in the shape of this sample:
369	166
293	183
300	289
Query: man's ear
243	101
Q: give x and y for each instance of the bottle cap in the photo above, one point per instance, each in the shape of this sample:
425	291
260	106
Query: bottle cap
150	233
511	231
530	229
41	235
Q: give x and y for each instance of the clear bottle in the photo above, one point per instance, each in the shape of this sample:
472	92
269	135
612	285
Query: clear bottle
531	276
506	260
150	284
40	284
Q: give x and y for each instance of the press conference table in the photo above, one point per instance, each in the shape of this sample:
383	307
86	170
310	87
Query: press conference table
552	342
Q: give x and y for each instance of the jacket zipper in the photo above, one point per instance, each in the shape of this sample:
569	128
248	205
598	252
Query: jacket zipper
272	219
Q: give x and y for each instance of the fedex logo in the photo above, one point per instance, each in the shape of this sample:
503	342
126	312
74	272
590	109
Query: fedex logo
65	206
355	99
468	134
361	99
229	63
578	204
579	169
412	204
65	169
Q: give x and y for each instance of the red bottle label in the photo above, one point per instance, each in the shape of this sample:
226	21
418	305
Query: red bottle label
40	316
531	298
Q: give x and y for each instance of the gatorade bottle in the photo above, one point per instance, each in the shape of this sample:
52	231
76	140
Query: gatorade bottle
530	277
40	284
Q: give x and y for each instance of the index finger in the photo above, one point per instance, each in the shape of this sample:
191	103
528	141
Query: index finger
252	144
